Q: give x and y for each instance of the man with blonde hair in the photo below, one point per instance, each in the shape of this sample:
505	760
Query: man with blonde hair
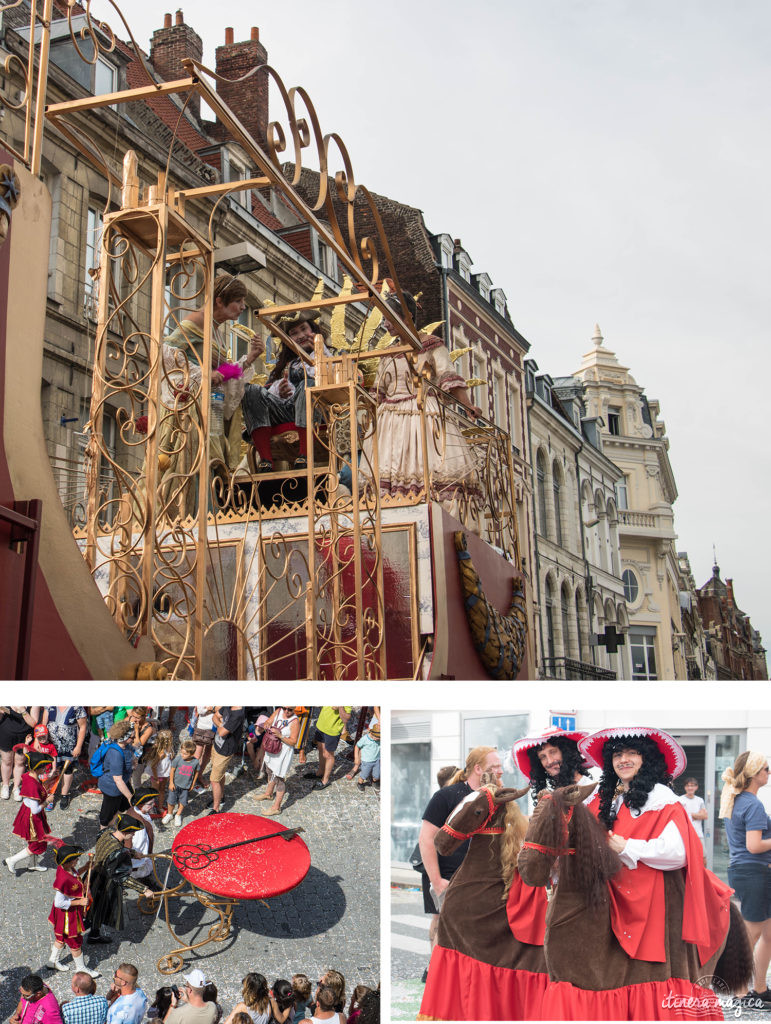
438	870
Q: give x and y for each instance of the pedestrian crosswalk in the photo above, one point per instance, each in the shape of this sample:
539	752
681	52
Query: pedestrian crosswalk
410	933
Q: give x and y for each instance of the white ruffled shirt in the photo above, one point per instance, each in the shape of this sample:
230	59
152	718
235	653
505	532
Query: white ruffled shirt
667	851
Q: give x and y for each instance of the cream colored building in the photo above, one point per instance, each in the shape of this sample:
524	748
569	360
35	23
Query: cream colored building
634	438
578	588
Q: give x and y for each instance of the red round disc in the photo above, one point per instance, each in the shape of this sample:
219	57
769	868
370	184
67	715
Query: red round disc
254	871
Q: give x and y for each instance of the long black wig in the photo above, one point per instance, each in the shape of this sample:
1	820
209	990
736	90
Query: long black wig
572	762
652	770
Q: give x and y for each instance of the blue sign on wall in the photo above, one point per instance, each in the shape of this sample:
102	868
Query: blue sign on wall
566	722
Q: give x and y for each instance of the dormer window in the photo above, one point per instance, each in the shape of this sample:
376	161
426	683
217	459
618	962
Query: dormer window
327	261
446	249
105	77
499	300
463	261
484	284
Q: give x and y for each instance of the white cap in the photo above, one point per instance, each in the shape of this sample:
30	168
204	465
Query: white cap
196	979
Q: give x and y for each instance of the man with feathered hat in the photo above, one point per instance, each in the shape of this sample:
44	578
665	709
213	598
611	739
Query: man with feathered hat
282	401
551	759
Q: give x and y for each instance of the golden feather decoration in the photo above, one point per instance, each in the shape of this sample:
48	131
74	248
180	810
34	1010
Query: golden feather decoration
458	353
476	382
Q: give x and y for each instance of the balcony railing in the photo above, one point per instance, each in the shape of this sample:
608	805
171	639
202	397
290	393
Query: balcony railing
569	668
645	519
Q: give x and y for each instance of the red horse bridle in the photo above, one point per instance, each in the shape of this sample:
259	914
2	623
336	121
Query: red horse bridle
552	851
481	831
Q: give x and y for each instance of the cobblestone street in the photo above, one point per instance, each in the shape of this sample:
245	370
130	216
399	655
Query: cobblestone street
331	920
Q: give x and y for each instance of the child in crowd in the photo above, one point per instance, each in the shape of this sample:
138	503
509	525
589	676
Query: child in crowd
282	1001
162	1004
369	745
68	910
354	1010
31	824
158	763
255	1000
182	778
301	989
104	717
40	742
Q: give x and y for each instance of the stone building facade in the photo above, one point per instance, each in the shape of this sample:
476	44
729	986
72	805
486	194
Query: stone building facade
579	594
634	438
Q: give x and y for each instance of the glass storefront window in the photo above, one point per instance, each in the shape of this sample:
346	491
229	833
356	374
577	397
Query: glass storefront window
411	788
727	749
491	730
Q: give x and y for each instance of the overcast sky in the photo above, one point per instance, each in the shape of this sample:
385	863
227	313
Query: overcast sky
604	161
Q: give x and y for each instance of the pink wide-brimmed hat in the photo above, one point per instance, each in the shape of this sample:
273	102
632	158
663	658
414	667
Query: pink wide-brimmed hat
674	755
521	747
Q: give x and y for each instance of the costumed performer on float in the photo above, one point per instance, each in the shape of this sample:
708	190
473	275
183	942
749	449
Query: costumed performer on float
669	914
452	471
67	913
31	823
280	405
111	873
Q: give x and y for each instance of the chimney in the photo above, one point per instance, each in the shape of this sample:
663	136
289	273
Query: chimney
167	48
248	100
729	586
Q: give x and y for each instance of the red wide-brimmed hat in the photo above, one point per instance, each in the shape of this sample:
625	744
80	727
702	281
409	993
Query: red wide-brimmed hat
674	755
521	747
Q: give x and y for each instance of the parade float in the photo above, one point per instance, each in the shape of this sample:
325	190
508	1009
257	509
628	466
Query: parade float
174	565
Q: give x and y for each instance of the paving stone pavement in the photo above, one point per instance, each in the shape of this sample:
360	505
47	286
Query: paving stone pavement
331	920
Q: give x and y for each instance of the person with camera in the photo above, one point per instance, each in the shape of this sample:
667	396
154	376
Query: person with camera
188	1005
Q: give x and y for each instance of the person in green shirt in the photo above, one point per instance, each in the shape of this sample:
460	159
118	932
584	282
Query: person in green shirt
329	728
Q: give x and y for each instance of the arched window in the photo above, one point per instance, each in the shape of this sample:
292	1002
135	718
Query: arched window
549	608
579	624
557	485
540	474
564	608
631	587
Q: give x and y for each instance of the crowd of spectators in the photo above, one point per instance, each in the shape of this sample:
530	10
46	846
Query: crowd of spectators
135	746
152	767
196	1001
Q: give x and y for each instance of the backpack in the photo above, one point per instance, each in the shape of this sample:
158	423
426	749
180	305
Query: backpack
96	764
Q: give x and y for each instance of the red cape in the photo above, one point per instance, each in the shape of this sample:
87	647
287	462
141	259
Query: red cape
526	911
638	915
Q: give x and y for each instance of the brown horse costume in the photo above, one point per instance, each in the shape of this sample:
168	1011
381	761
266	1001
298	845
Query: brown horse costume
479	969
592	976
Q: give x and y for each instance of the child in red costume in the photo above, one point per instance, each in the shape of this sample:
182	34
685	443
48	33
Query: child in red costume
67	913
31	823
40	742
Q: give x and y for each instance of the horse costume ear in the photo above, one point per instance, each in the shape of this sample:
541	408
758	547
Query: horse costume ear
505	796
573	795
